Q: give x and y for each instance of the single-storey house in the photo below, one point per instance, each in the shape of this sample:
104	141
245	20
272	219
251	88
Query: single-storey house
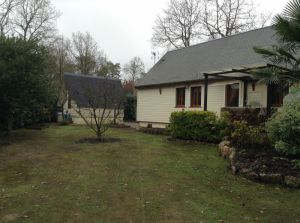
208	76
88	92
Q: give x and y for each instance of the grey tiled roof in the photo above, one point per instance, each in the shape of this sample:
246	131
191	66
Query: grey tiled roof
85	89
188	64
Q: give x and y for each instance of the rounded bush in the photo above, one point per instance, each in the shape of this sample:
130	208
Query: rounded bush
197	125
250	138
284	127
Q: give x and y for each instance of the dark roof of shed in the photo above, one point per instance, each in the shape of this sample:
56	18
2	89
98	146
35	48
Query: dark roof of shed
189	64
85	88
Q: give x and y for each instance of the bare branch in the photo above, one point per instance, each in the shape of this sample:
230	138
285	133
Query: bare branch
186	22
134	69
59	63
6	7
86	54
35	19
179	26
223	18
100	105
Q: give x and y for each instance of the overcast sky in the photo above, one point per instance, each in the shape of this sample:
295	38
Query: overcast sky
123	28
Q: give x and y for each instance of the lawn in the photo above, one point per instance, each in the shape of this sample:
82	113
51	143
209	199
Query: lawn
45	176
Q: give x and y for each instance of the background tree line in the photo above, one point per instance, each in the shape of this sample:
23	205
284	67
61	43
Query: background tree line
186	22
34	58
30	25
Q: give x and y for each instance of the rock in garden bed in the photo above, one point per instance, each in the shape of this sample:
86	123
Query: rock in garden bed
268	169
292	181
262	167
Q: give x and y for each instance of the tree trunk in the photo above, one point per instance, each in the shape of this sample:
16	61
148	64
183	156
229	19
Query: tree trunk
99	135
115	117
9	126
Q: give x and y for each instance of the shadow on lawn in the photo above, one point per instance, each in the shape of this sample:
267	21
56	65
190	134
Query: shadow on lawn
97	140
16	136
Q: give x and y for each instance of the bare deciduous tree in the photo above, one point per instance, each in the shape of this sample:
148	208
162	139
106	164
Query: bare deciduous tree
86	53
35	19
60	62
103	105
188	21
179	25
223	18
118	110
6	7
109	69
134	69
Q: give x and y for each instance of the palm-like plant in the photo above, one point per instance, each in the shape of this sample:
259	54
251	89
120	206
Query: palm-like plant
285	57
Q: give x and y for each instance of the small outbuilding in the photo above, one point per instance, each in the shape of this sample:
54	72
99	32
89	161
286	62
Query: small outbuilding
87	93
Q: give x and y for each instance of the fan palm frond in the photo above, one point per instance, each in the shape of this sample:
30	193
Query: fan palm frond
287	25
267	76
292	10
278	54
286	30
285	56
275	75
265	52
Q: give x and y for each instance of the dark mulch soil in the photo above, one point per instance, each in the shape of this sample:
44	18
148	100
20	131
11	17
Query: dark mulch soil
4	143
97	141
265	163
188	142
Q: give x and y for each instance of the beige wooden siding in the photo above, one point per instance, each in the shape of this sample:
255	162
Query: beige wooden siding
216	95
215	98
155	106
258	96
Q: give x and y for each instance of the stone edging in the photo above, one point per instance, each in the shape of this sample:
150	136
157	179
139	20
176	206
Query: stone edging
229	153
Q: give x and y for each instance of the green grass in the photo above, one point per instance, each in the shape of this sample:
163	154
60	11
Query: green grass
46	177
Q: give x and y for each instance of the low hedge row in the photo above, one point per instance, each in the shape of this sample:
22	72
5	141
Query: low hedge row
198	125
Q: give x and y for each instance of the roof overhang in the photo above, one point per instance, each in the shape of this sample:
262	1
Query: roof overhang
236	73
242	72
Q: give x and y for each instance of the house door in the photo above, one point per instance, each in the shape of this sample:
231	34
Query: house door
277	95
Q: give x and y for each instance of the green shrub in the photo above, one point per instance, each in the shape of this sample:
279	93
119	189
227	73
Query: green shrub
130	108
223	125
253	116
197	125
284	127
27	93
250	138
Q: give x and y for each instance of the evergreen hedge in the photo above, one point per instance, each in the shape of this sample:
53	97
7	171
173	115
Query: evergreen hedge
198	125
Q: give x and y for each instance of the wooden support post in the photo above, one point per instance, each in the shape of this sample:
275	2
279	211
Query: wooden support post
269	101
245	93
205	91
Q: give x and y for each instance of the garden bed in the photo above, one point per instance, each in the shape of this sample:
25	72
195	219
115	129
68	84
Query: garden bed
263	163
263	167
